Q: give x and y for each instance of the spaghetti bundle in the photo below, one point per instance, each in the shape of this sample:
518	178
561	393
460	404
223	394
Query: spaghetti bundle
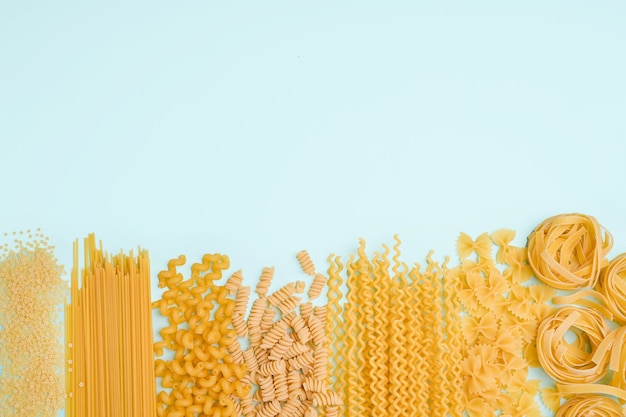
109	336
31	332
568	250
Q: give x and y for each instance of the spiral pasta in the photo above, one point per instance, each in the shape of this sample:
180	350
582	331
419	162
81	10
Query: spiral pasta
567	251
305	262
318	284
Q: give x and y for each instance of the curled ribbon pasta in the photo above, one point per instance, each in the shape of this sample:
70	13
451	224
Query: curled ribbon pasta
572	362
568	250
612	284
591	405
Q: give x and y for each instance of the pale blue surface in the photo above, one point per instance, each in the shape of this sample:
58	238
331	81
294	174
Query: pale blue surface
261	128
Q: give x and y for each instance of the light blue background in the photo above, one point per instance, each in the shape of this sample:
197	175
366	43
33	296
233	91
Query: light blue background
260	128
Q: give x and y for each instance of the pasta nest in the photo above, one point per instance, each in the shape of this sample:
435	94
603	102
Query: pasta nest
567	251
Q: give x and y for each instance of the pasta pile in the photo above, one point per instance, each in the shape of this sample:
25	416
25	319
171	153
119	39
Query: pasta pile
204	376
32	294
399	349
503	310
272	363
110	369
569	252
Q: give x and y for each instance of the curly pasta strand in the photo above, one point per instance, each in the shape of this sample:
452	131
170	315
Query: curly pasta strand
334	326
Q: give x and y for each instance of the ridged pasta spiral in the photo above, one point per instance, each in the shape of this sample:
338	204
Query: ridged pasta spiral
306	263
567	251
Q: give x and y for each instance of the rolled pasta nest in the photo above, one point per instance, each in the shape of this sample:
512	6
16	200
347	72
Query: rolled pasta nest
567	251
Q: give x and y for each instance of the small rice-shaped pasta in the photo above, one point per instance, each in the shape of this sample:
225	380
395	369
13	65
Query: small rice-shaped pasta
317	286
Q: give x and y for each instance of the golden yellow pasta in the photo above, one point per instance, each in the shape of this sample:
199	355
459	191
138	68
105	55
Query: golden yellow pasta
573	362
31	332
612	284
208	370
567	251
590	405
110	337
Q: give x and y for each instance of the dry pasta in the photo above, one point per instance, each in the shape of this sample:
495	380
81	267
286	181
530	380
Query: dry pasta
109	334
207	373
305	262
31	332
612	285
590	405
567	251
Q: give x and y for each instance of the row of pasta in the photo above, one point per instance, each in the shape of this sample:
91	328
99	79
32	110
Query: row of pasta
368	334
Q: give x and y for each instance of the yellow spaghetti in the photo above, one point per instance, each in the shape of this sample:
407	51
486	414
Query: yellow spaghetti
109	335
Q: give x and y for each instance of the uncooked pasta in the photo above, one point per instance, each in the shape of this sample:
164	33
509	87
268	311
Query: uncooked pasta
109	335
32	294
